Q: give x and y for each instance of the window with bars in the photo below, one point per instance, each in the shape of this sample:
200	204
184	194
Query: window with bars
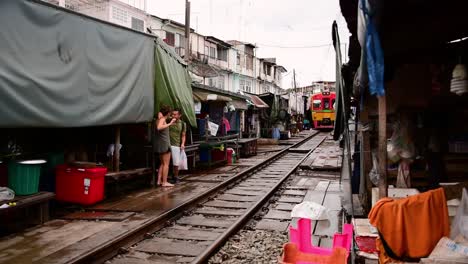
246	86
212	82
119	15
212	53
170	39
221	82
222	54
138	24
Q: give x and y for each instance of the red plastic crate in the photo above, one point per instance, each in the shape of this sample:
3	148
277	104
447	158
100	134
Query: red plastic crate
79	185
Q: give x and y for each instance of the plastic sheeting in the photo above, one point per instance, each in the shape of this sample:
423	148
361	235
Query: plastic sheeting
60	69
172	83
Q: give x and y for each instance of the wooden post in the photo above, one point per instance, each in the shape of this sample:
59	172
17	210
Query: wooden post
366	158
116	150
383	188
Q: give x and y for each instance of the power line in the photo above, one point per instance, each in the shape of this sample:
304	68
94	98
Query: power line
293	47
297	47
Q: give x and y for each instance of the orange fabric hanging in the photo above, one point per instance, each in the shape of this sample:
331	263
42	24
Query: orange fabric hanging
413	226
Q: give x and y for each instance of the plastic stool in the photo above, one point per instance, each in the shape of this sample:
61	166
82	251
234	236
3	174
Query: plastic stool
301	237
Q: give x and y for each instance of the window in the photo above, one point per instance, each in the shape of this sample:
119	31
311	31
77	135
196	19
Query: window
266	88
249	62
268	70
326	103
222	54
212	52
119	15
170	39
248	86
238	58
180	41
212	82
70	5
316	104
221	82
245	86
138	24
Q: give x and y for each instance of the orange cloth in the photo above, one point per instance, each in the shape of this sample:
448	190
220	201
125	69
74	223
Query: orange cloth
413	226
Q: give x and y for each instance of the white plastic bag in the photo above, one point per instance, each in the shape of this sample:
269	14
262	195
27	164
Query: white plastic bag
6	194
310	210
183	165
460	222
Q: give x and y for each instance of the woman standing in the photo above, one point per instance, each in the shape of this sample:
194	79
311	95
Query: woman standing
163	144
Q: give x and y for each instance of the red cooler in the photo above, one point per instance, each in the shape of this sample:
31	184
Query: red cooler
229	155
79	185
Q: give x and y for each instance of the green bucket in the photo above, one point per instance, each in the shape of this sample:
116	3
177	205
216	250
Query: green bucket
23	176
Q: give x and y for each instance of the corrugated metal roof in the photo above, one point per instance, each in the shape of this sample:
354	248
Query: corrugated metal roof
259	103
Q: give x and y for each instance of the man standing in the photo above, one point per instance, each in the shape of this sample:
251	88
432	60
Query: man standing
177	136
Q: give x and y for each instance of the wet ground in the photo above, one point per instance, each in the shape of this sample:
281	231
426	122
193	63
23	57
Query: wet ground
61	241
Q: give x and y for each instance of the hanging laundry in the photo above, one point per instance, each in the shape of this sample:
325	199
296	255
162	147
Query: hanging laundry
410	228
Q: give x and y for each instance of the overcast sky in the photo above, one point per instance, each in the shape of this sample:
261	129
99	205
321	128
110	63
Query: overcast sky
285	29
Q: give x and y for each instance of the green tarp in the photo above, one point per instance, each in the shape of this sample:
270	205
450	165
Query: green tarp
172	84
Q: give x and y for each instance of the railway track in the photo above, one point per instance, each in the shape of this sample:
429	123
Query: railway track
195	230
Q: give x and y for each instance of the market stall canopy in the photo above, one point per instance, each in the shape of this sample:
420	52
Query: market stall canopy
239	105
62	69
173	85
259	103
206	97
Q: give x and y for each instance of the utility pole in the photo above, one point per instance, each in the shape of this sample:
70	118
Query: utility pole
187	31
295	90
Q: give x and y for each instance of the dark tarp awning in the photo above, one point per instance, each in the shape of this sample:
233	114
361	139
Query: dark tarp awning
206	97
60	69
259	103
172	83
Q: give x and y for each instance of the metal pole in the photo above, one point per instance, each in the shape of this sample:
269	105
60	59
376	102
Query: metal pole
187	31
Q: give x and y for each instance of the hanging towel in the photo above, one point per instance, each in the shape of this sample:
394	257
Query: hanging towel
410	228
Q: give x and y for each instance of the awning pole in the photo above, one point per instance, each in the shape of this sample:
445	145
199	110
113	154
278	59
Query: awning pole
116	150
383	188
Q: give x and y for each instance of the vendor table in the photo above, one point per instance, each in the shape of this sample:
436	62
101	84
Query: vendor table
248	147
34	210
211	144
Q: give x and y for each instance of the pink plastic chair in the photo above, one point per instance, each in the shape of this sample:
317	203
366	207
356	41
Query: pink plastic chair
302	237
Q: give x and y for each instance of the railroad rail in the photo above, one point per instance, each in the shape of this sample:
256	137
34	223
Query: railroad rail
203	224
